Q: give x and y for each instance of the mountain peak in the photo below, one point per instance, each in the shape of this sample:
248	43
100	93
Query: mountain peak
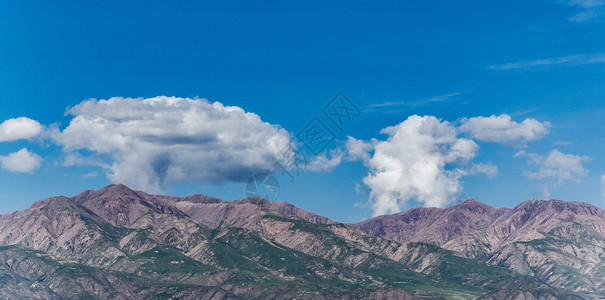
471	201
110	191
117	203
539	206
472	204
117	189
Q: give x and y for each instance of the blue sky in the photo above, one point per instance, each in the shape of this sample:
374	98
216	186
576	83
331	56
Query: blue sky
284	61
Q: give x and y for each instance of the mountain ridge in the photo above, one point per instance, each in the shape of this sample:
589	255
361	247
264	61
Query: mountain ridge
200	246
557	241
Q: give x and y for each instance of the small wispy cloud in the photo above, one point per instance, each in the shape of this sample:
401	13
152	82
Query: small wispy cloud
555	168
569	60
439	98
387	104
90	175
588	10
487	169
561	143
586	3
397	106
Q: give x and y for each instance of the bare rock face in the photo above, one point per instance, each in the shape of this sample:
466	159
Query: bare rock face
559	242
116	243
216	213
121	206
63	228
433	225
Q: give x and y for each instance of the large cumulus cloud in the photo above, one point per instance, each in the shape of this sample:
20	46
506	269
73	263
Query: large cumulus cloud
154	142
424	158
414	162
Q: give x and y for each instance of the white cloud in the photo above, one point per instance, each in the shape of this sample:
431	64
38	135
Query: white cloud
411	164
568	60
325	162
561	143
159	141
19	129
359	149
501	129
587	15
398	106
21	161
77	159
546	192
557	166
361	189
422	159
90	175
586	3
487	169
587	10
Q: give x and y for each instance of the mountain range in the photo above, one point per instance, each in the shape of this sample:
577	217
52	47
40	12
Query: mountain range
117	243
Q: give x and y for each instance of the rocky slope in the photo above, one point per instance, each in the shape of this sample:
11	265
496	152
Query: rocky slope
123	244
560	243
